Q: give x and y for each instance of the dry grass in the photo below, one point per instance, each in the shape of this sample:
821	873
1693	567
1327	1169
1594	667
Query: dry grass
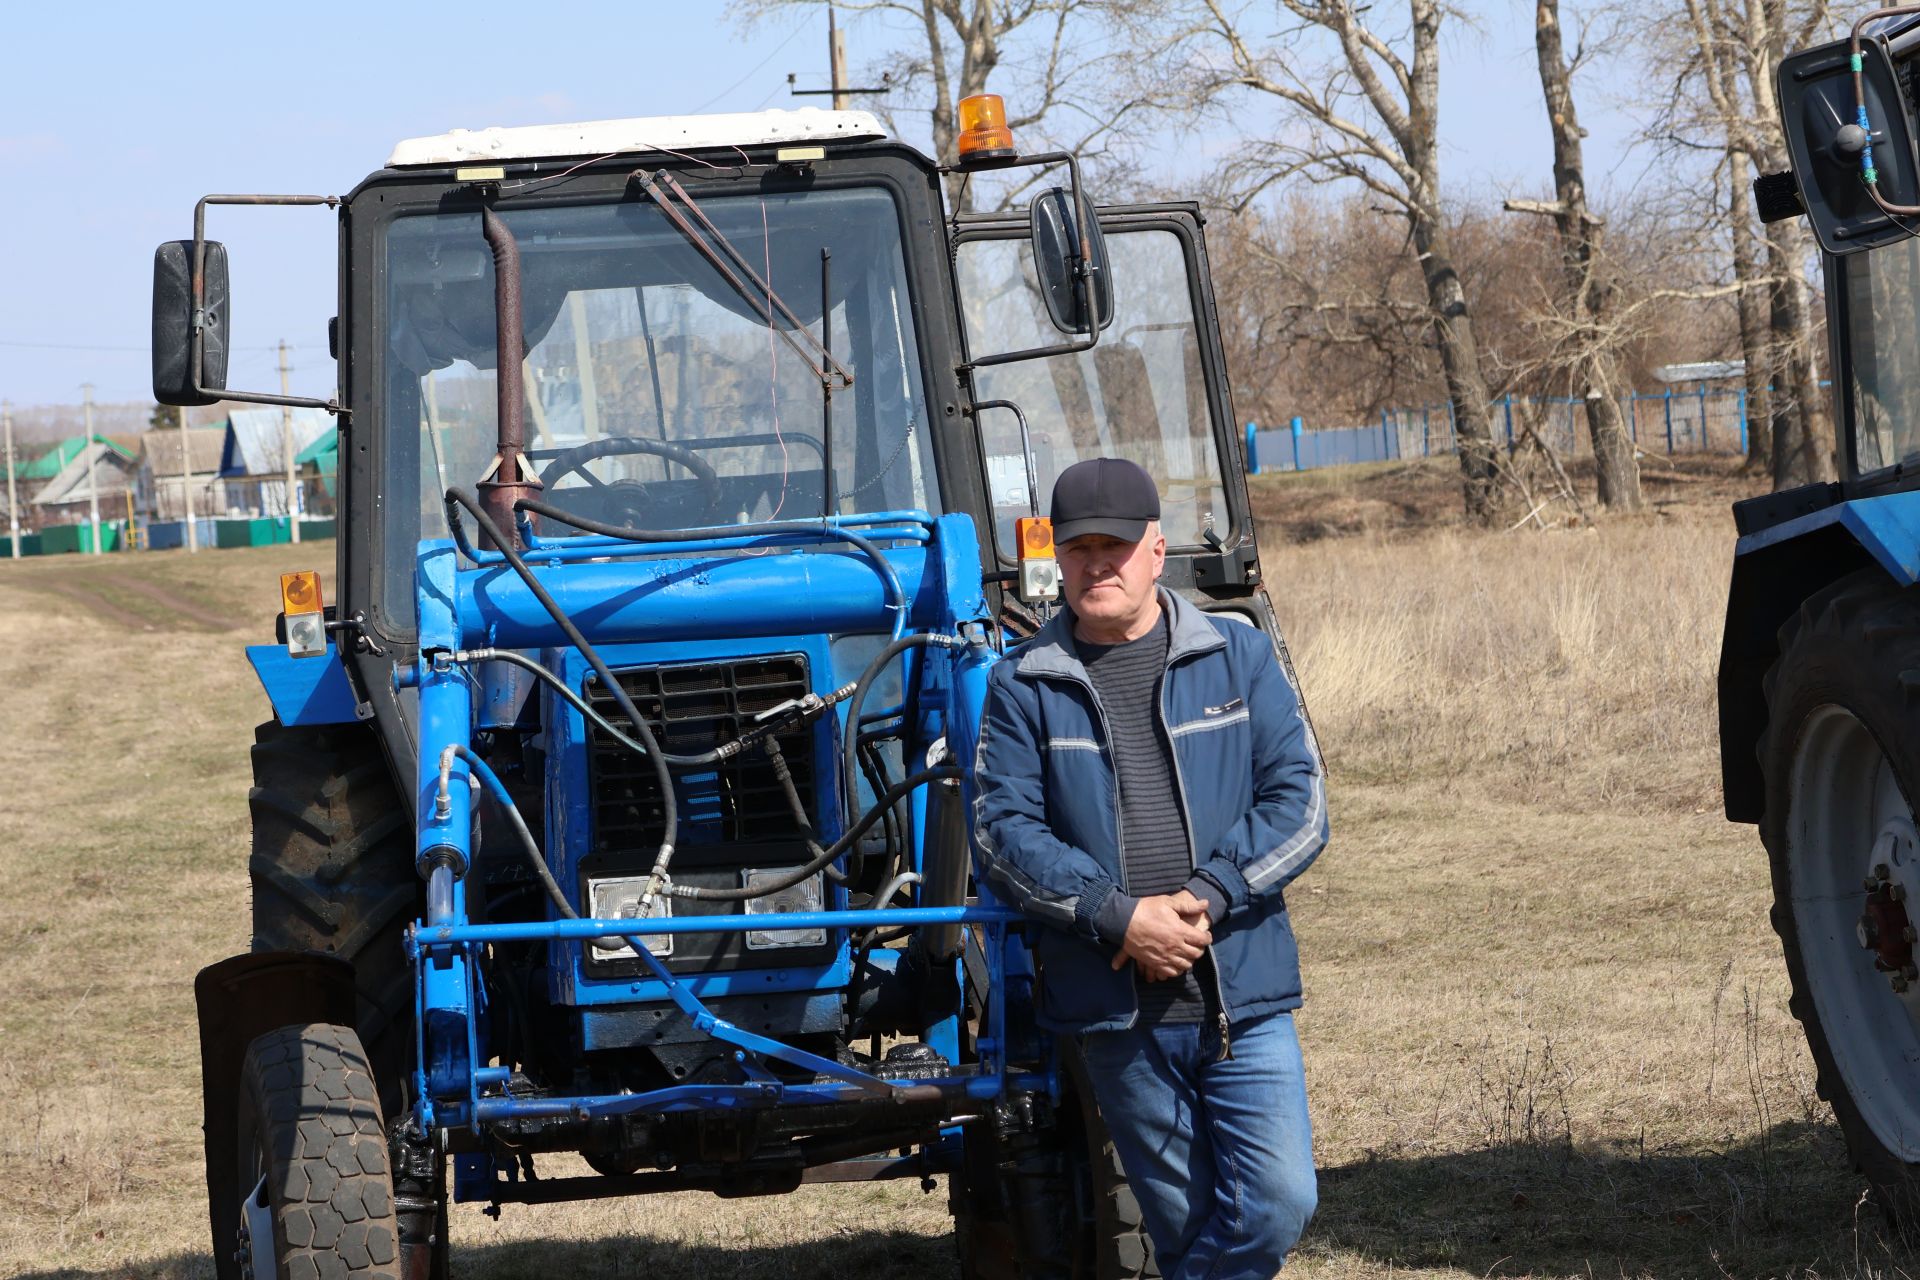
1545	1028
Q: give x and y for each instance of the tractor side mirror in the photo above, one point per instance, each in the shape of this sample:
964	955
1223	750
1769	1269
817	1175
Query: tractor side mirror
1058	254
176	380
1827	144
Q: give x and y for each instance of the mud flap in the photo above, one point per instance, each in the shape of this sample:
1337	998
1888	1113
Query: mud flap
239	999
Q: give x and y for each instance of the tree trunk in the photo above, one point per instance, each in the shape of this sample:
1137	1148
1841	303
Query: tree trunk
1615	468
1802	437
1747	272
1460	358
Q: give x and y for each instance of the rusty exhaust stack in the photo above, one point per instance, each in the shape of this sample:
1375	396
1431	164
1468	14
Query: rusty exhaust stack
508	480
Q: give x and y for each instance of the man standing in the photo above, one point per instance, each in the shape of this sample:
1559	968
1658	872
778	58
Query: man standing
1148	785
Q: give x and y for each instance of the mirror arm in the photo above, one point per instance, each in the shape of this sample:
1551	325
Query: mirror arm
1082	266
198	359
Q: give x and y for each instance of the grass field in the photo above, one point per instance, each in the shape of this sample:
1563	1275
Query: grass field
1545	1024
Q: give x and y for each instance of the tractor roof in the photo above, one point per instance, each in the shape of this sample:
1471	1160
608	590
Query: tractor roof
646	133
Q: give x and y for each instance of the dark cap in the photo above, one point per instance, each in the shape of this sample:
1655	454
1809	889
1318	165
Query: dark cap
1104	495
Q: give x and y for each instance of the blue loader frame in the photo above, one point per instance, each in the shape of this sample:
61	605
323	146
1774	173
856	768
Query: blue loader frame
655	604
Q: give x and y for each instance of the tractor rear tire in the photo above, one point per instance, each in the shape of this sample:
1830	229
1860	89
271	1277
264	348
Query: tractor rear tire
1841	757
1117	1233
332	870
313	1153
1109	1237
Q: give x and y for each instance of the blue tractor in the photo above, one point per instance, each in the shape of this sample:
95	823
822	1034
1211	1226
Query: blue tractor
613	814
1819	680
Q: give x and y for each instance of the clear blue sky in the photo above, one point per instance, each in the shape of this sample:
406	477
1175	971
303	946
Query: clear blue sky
115	119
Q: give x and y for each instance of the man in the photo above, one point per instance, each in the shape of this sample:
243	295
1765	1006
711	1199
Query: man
1147	787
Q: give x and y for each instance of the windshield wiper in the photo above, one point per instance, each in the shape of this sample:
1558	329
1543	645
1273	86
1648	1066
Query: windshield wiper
720	252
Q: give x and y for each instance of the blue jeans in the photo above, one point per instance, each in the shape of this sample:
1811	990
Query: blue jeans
1218	1153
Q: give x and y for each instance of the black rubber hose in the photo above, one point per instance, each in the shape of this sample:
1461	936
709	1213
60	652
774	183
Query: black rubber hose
784	775
580	704
850	738
491	781
700	894
669	809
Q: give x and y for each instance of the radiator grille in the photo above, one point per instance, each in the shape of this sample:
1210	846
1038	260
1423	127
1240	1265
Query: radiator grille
691	709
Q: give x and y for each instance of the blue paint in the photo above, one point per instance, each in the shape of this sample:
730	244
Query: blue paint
1253	450
1886	527
708	598
304	691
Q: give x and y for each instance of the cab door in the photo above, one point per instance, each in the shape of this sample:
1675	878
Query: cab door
1152	389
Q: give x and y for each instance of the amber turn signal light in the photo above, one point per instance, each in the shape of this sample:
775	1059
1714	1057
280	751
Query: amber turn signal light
983	129
1035	536
305	616
300	592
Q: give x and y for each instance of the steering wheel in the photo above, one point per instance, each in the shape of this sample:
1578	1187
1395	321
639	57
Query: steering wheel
629	497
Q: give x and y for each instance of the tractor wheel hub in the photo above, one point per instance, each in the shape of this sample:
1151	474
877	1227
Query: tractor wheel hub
1884	928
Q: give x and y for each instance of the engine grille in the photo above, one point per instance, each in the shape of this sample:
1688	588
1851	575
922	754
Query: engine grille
691	709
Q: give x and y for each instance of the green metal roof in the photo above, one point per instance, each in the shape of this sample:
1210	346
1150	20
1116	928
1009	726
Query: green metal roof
49	464
324	453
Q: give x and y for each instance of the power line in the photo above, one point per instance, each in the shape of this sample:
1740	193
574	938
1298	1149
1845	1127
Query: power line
798	28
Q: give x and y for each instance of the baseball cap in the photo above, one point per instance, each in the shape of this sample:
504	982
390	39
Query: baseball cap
1104	495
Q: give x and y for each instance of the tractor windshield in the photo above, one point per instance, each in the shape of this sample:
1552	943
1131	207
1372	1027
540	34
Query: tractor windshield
659	394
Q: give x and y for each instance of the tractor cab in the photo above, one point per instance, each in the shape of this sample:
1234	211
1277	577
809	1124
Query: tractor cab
1819	736
693	476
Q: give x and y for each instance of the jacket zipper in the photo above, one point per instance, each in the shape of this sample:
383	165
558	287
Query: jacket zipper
1222	1021
1119	833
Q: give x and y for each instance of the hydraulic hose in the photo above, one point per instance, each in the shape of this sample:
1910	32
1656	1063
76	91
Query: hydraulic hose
491	781
896	594
725	751
850	737
669	808
820	860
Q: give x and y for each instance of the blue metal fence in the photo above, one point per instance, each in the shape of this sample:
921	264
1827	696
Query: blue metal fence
1695	420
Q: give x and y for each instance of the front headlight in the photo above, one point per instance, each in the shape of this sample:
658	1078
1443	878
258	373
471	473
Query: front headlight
804	896
618	898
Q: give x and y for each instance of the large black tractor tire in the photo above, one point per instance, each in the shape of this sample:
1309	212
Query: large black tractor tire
1841	757
332	870
313	1154
1105	1237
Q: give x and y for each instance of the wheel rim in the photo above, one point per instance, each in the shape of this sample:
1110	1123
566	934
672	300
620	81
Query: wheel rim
256	1234
1848	823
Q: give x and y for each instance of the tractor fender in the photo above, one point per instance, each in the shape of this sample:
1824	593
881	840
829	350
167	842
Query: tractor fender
1775	569
239	999
306	691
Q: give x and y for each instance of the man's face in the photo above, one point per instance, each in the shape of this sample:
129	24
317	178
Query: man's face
1110	582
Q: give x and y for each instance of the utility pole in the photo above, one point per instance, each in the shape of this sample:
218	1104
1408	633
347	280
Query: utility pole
93	469
286	442
13	495
837	59
186	481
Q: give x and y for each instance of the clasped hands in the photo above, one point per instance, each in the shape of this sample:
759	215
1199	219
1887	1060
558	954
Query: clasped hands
1167	933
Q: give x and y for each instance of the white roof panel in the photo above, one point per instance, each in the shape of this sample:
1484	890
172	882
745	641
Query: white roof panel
646	133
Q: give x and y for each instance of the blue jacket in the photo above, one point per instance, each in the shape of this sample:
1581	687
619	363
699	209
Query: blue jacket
1046	818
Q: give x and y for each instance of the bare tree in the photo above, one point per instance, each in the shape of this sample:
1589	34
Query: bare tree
1756	346
1589	289
1057	52
1371	116
1739	47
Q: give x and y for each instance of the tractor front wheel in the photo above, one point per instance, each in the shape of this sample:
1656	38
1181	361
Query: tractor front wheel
312	1156
1842	759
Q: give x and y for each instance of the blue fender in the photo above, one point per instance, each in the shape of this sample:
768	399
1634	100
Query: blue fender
1775	569
305	691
